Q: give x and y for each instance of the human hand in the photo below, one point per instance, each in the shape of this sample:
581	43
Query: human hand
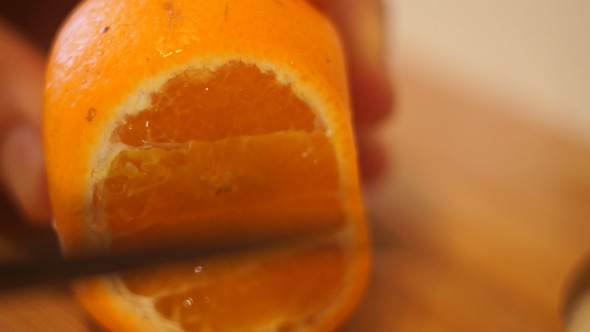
21	80
22	168
362	29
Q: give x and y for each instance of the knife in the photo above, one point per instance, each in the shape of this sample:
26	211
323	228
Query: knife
17	275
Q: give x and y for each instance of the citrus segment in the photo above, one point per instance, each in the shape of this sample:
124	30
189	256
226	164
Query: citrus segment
225	295
225	148
298	286
236	99
210	193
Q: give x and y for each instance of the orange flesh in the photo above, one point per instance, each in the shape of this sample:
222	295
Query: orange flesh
202	167
234	100
245	291
205	155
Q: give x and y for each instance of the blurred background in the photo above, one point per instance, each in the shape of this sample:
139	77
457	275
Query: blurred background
483	219
489	183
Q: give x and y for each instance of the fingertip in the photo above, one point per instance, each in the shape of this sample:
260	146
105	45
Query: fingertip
372	95
372	160
23	171
361	25
38	209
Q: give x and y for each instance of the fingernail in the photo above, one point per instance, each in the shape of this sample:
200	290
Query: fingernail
22	165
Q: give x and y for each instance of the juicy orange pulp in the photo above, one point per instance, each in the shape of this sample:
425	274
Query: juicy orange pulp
283	288
260	165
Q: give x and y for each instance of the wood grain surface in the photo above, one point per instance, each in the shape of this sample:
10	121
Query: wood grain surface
478	225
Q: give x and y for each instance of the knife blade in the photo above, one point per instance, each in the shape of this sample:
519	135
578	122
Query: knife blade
17	275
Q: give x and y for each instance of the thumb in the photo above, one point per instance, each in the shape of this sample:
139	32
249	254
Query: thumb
22	168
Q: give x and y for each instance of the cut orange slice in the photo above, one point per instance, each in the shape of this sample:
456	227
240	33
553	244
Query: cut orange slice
207	123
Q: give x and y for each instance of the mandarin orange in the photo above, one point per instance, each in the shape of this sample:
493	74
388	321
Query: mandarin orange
210	123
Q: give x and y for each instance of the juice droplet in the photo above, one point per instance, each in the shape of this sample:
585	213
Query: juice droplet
187	303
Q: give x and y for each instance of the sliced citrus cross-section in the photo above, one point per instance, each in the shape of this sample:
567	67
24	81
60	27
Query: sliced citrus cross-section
226	148
209	124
